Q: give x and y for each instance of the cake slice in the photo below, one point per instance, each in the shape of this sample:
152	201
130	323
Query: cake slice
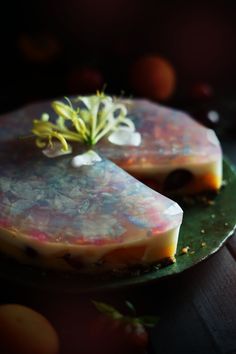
177	153
94	218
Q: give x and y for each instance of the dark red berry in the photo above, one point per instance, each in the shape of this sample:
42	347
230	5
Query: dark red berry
178	179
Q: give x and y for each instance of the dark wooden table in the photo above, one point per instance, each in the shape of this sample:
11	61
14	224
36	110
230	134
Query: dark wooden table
197	308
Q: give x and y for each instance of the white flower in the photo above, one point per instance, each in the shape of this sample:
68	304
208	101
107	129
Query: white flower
96	117
88	158
106	116
125	136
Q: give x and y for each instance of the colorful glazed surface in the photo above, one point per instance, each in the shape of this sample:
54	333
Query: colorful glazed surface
169	137
49	200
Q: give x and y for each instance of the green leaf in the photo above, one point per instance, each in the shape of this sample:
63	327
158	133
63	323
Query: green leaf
107	310
146	321
149	321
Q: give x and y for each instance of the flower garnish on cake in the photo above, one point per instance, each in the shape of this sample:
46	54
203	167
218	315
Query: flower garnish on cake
91	119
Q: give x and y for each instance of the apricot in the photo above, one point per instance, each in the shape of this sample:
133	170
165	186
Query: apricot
25	331
153	77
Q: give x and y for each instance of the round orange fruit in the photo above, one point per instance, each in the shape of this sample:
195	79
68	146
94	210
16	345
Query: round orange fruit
153	77
25	331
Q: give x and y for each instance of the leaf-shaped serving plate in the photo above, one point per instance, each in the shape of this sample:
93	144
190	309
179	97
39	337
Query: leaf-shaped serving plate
205	228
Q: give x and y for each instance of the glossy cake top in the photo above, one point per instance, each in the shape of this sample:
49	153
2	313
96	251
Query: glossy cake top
49	200
169	137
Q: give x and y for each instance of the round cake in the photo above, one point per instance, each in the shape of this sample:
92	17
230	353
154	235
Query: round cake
99	217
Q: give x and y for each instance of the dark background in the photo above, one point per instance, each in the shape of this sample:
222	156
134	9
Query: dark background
45	45
54	48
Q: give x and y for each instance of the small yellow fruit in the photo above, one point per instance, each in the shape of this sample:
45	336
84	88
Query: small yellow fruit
153	77
25	331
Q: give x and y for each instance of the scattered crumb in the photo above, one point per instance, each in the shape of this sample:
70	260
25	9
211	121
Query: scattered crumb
202	231
205	200
185	250
226	224
211	202
213	216
192	252
203	244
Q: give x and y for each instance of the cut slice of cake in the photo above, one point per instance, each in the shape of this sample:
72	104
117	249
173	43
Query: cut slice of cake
93	218
176	152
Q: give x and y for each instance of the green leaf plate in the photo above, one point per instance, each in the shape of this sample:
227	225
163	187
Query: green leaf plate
205	228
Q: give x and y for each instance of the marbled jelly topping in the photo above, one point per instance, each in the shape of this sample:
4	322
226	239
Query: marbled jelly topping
49	200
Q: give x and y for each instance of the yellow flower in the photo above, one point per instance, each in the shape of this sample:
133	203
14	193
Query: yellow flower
94	118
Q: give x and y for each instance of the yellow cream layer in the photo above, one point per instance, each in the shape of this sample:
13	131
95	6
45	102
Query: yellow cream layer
206	176
88	257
